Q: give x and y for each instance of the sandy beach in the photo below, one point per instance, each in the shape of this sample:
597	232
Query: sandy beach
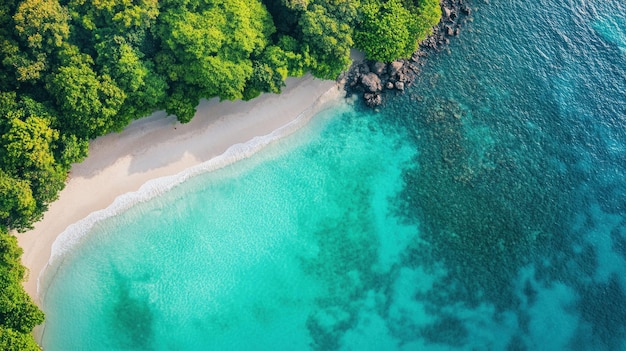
159	146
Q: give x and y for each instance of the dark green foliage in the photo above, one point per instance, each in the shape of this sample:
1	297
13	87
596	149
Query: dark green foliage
322	30
17	205
265	77
88	102
328	40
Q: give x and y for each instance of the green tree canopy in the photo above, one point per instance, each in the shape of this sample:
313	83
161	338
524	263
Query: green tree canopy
329	40
18	314
42	24
17	205
390	30
209	48
34	160
27	155
88	102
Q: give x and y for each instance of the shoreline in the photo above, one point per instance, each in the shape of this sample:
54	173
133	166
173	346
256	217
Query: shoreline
157	147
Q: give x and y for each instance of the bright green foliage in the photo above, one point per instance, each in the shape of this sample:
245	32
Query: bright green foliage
42	27
429	14
42	24
113	15
27	143
70	150
11	340
18	314
344	11
34	160
26	153
386	30
389	30
298	62
210	49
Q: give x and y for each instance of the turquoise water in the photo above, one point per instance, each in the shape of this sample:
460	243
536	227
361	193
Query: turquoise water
484	209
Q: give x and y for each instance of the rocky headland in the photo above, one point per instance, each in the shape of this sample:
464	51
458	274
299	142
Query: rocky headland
373	79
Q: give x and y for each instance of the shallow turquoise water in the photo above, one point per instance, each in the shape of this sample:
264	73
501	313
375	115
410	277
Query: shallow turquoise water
250	256
485	209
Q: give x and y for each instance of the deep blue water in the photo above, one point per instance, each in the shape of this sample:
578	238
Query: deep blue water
483	209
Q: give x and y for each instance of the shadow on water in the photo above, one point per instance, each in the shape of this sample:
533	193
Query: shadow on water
132	316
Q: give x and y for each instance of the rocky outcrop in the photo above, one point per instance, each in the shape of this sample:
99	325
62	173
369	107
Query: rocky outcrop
373	80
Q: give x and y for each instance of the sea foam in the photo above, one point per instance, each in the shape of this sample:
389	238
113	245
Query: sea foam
76	232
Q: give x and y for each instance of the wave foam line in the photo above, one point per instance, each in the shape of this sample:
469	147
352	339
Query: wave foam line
76	232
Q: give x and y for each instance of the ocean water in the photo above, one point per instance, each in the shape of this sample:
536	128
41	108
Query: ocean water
483	209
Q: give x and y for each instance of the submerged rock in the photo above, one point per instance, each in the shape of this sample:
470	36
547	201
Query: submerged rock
373	99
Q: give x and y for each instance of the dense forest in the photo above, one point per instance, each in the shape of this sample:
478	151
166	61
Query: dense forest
72	70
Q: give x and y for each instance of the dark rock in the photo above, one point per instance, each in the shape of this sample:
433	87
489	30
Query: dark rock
371	82
373	99
364	68
395	67
379	68
353	81
415	69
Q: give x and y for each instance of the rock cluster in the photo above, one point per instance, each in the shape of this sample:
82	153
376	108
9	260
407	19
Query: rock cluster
372	78
375	79
453	14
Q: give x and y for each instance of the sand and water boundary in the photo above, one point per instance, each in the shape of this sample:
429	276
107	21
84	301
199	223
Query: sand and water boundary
155	153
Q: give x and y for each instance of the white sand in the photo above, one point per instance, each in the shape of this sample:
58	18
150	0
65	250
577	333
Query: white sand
159	146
